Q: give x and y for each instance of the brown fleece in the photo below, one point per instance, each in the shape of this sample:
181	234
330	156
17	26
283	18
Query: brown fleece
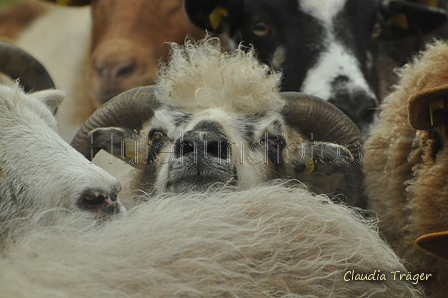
407	169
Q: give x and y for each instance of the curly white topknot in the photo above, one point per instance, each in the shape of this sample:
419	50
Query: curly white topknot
200	75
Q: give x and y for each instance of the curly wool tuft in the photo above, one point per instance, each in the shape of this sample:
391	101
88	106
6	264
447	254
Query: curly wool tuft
200	75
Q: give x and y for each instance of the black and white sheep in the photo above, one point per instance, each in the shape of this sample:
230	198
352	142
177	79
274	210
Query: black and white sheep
405	162
267	241
217	117
326	48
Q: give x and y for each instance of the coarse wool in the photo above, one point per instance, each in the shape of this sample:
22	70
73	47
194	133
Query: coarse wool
268	241
405	181
200	75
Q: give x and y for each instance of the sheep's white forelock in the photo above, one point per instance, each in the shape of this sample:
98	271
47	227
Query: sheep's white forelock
200	75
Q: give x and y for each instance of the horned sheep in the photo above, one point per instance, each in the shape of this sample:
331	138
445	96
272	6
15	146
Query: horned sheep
217	117
267	241
38	169
405	162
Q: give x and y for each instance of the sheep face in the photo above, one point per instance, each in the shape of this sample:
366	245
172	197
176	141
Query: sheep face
212	146
180	151
38	169
128	39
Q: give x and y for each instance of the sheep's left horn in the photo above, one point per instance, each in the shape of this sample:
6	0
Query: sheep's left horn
16	63
130	109
318	119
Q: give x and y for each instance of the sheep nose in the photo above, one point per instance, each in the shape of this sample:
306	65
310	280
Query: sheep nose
99	201
112	72
204	148
360	106
217	148
185	146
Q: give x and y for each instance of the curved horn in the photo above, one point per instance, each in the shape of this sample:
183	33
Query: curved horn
130	109
319	119
16	63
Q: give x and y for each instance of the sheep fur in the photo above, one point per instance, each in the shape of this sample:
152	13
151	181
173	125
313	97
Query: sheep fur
405	180
268	241
200	75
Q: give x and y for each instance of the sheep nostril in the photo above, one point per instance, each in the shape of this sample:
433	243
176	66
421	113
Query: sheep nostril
218	148
184	147
98	201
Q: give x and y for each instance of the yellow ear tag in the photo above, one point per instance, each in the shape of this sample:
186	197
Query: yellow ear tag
5	38
434	106
217	15
63	2
399	20
310	165
129	153
433	3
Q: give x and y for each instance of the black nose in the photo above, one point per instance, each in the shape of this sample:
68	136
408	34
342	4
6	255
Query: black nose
360	106
218	147
185	146
99	201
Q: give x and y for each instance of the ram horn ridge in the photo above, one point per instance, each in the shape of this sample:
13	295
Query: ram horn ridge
129	109
319	120
15	63
132	108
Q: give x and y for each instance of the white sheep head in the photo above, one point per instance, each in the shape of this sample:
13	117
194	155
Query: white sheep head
38	169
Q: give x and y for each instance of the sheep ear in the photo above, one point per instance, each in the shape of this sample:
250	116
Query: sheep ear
214	15
403	19
434	243
51	98
428	107
120	142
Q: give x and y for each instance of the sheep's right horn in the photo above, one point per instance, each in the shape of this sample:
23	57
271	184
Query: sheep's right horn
16	63
320	119
130	109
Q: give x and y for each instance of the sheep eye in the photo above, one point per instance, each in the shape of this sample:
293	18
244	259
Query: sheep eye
376	32
276	141
273	141
156	136
260	28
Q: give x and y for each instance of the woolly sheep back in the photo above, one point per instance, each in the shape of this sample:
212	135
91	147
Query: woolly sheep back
268	241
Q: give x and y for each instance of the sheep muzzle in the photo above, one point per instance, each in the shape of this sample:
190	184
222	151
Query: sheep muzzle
98	202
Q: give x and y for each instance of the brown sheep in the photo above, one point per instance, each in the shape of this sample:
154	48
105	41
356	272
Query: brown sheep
405	162
98	51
